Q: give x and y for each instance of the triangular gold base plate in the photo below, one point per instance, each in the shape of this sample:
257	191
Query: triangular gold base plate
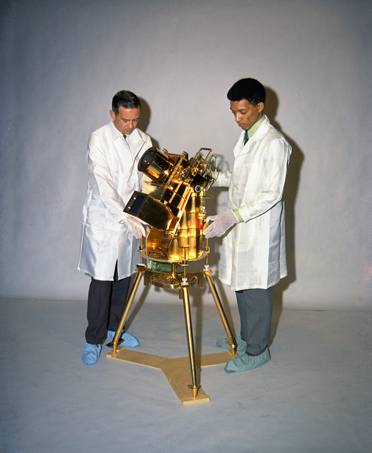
177	371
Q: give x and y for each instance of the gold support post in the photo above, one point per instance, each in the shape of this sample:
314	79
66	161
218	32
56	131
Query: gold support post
173	271
140	250
190	341
208	274
207	250
141	268
184	262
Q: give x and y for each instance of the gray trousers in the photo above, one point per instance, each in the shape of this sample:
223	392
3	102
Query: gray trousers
255	309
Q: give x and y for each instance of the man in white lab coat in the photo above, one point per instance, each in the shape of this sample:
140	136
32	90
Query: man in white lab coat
109	237
253	257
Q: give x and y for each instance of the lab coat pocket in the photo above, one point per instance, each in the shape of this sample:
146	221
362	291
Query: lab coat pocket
247	234
95	223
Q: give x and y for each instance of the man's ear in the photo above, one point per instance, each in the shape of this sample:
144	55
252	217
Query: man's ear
260	106
112	114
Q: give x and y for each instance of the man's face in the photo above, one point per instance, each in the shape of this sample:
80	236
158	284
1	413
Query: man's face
246	114
126	120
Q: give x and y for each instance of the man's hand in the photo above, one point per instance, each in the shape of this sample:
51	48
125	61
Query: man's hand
135	226
221	223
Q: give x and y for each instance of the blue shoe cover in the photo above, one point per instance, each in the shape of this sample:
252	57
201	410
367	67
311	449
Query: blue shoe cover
225	344
129	340
91	353
247	362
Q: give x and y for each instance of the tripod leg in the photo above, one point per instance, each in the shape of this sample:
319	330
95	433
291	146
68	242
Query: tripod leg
190	342
132	293
208	274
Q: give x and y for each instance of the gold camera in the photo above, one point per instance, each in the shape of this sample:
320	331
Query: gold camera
172	203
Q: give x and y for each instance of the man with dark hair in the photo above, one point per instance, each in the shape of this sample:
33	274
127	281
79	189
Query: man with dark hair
253	257
109	237
125	99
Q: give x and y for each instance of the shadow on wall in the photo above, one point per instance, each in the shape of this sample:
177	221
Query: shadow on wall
144	121
290	195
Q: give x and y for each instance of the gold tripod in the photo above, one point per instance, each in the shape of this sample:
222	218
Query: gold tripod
176	370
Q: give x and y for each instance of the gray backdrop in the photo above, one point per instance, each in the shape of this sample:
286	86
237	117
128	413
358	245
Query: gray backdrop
62	61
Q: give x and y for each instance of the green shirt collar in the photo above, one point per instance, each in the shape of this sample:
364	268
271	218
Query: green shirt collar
256	125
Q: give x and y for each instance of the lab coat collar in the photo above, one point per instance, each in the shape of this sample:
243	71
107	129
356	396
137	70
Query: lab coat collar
135	137
240	148
135	140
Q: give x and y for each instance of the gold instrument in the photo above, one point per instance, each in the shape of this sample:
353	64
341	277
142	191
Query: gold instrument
172	204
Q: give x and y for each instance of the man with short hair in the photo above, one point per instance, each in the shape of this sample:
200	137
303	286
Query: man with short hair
109	237
253	257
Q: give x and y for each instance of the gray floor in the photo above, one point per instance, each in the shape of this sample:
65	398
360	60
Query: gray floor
313	396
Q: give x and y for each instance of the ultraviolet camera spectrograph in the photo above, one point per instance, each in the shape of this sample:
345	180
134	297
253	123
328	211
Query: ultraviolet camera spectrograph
172	205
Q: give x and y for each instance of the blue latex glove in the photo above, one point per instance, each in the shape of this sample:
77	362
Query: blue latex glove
221	223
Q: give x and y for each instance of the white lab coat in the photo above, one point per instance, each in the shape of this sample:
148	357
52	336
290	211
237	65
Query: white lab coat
253	252
112	178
